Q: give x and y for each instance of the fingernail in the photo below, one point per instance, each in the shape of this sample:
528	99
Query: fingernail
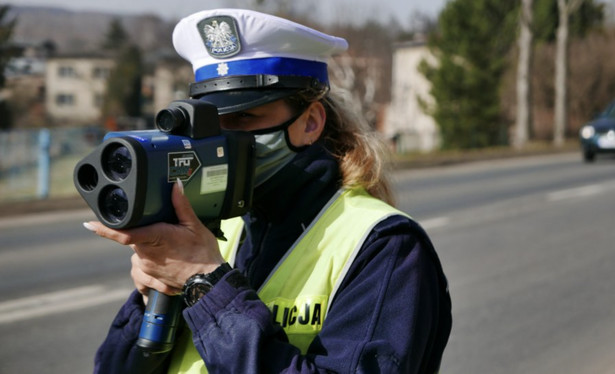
89	226
180	184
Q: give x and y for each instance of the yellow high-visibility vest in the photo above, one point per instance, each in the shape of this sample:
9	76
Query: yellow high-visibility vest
300	289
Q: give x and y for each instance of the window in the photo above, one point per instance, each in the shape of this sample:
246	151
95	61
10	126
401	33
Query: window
65	100
66	71
100	73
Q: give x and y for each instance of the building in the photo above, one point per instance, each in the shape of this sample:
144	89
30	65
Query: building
170	82
407	125
75	88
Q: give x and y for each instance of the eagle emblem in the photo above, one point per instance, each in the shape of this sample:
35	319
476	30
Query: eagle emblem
220	36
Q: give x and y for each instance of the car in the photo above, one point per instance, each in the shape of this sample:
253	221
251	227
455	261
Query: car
598	135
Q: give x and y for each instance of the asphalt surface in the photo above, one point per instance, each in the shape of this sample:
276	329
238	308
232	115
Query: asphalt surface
526	243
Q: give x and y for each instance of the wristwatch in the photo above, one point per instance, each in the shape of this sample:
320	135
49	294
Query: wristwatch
199	284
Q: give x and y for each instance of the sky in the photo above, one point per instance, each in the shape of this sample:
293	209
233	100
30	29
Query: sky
325	10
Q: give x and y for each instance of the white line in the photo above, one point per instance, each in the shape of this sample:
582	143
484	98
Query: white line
48	298
58	302
572	193
434	223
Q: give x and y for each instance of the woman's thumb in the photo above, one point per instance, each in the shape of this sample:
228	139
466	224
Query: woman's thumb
183	209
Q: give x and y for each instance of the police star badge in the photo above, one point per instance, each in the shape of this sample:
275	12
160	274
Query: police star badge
220	36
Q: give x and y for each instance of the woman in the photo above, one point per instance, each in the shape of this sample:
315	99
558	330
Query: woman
326	276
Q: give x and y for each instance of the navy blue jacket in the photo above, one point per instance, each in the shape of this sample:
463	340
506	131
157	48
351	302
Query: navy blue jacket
392	313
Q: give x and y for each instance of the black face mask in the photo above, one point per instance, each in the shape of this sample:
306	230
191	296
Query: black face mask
273	150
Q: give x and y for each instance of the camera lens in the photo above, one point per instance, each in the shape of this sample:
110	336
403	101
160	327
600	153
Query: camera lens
113	204
87	177
170	119
117	162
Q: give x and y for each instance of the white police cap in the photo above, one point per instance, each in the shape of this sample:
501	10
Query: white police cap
242	58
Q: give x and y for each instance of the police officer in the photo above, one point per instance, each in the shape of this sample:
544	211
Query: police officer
323	274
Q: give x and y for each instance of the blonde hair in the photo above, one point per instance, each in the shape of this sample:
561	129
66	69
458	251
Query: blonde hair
361	151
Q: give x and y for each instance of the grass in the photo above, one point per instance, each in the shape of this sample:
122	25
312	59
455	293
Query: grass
24	185
447	157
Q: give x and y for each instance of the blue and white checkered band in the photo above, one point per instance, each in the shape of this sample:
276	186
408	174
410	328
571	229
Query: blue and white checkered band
280	66
220	36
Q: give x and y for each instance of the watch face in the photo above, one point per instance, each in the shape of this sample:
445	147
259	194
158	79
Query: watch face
199	284
196	291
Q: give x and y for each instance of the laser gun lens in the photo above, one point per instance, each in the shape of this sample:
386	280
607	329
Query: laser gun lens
170	119
114	204
87	177
117	162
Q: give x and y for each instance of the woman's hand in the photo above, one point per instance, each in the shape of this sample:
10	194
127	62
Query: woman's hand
166	255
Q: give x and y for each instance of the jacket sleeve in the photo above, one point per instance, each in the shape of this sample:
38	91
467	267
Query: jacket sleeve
119	354
392	314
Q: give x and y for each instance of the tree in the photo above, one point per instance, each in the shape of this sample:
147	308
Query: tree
524	85
546	19
6	51
116	37
365	70
565	8
123	96
471	46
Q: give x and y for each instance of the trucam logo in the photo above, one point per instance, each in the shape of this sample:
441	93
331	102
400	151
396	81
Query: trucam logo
182	165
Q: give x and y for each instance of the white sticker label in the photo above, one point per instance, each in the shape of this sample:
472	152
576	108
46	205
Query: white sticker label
214	179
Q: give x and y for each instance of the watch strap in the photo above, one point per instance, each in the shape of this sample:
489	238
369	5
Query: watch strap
215	276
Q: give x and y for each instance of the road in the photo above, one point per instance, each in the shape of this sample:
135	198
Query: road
528	246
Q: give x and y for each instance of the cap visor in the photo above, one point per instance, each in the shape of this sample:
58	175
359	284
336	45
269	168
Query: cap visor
238	100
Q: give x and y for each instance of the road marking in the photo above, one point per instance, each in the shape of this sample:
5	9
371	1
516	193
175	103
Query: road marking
433	223
58	302
572	193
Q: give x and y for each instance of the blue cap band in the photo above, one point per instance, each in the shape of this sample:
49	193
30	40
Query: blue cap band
272	66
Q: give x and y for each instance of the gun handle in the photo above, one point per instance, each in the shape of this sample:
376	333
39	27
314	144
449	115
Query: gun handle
160	322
